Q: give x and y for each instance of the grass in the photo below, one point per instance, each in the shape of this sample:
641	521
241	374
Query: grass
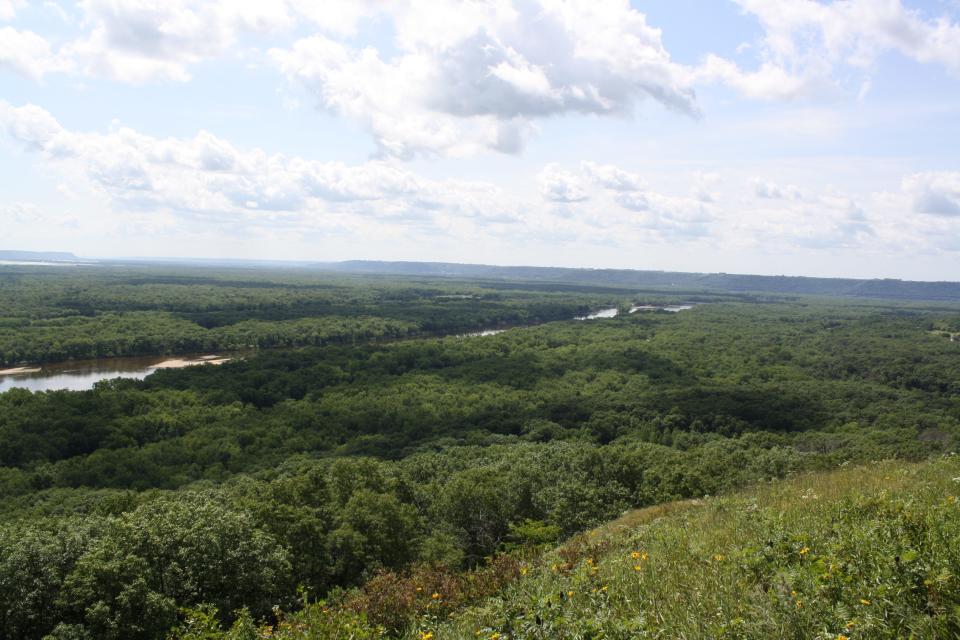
864	552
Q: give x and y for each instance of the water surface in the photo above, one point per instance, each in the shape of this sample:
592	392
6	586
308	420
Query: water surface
79	375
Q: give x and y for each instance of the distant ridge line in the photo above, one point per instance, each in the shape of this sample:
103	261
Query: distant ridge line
887	288
53	256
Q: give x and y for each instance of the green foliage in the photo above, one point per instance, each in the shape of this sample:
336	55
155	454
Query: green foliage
363	467
124	577
865	552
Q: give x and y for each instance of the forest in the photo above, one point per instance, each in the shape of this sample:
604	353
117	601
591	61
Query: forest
366	455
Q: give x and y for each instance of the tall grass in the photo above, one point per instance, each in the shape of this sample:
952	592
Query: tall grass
865	552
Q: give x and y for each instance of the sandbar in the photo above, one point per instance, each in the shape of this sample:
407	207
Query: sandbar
18	370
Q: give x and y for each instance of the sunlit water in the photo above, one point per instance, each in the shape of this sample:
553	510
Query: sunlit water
79	375
672	308
603	313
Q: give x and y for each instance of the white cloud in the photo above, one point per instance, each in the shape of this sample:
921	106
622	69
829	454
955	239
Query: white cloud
805	42
472	77
623	203
769	82
8	9
142	40
934	193
612	177
206	176
29	54
205	182
773	191
560	185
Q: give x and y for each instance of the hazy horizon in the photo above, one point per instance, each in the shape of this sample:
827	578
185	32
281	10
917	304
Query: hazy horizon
769	137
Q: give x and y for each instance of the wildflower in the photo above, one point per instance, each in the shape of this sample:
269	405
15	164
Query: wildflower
718	557
426	635
635	555
524	570
419	589
799	604
638	567
435	596
864	601
569	594
850	625
840	636
644	555
804	551
494	636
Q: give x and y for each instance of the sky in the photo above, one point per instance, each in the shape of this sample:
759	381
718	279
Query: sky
796	137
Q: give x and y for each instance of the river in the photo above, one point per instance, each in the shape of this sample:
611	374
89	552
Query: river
80	375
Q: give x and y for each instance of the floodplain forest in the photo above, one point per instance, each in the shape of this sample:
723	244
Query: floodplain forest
756	465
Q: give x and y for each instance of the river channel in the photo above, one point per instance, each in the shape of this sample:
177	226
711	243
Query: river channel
79	375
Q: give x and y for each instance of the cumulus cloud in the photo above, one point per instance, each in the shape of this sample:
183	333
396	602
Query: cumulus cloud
612	177
29	54
822	221
475	76
934	193
207	182
773	191
806	41
208	176
463	78
560	185
8	9
141	40
623	202
138	41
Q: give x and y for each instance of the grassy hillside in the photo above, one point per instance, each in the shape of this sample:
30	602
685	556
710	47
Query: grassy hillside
861	552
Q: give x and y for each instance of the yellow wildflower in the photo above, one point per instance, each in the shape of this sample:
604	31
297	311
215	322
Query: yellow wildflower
524	570
864	601
840	636
569	594
718	557
804	551
644	556
638	567
635	555
426	635
435	596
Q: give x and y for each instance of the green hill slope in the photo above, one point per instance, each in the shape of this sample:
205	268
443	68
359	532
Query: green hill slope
865	552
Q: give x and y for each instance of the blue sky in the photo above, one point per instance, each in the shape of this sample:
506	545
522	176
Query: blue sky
764	136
